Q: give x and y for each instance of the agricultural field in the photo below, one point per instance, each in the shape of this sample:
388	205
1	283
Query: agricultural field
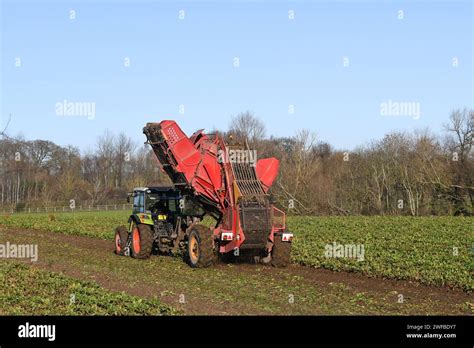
90	224
432	250
425	260
29	291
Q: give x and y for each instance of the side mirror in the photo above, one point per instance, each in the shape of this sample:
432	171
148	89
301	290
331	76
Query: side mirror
128	197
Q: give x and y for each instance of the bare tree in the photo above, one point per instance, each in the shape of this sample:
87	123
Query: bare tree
124	147
105	153
299	174
247	127
3	133
461	127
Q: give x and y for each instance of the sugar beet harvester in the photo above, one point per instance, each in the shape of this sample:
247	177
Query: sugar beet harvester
208	180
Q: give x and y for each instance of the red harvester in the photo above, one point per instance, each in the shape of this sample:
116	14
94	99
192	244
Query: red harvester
210	178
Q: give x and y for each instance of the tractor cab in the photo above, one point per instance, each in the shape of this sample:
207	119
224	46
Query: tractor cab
159	202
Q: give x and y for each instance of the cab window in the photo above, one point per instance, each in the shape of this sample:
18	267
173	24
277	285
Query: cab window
138	202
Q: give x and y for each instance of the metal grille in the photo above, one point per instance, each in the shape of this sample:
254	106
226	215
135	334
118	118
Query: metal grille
246	179
256	225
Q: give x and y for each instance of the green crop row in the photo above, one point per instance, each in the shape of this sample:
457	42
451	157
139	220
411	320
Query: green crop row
89	224
432	250
30	291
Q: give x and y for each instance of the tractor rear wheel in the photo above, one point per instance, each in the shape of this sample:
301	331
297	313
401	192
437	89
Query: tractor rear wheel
200	251
280	252
121	237
142	241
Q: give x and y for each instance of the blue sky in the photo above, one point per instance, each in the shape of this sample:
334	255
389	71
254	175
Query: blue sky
190	62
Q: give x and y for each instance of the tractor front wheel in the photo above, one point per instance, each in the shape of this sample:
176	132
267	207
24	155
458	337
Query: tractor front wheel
121	237
142	241
200	251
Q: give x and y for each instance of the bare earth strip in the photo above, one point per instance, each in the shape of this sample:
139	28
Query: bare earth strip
236	289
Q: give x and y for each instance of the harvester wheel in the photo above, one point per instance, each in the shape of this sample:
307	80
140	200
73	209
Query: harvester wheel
200	251
142	241
121	236
280	253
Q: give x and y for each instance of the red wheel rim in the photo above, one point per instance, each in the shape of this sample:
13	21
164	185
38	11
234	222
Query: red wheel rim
136	240
194	249
117	242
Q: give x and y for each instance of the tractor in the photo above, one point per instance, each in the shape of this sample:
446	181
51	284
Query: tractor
210	179
152	223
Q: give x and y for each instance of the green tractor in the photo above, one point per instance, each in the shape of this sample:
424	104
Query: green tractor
158	222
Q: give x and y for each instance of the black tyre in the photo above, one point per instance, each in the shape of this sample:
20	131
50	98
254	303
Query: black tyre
121	237
280	252
200	252
142	241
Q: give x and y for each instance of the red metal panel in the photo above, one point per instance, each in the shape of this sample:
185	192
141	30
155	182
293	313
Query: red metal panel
267	171
199	166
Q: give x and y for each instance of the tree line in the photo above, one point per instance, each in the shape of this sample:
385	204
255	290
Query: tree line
404	173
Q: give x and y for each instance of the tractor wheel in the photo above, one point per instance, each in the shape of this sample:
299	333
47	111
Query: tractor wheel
121	237
280	252
142	241
200	251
